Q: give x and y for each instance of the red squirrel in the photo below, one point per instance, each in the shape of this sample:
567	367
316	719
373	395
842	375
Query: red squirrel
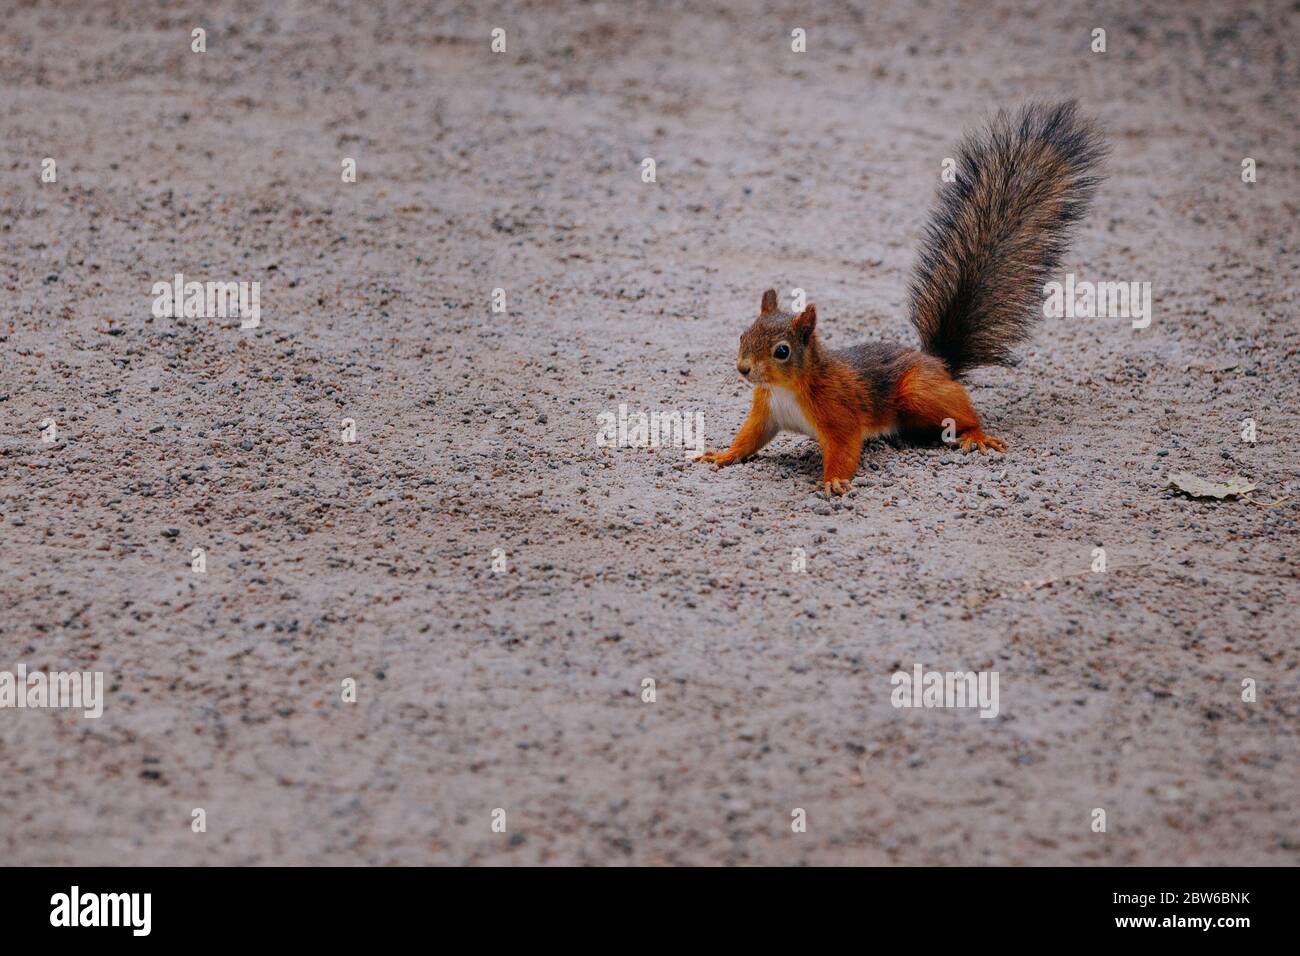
995	235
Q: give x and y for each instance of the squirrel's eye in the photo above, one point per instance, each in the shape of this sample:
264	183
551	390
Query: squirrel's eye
781	352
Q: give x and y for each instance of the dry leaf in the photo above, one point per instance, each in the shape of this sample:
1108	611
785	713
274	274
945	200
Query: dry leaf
1195	487
1221	365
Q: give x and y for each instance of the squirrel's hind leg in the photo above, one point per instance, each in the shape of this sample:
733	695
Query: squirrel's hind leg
928	397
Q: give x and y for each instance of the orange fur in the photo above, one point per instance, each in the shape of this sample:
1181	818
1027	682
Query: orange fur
757	431
998	231
927	396
831	401
840	404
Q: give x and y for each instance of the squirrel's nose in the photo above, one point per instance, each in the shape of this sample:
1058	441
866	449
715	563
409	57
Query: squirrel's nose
742	368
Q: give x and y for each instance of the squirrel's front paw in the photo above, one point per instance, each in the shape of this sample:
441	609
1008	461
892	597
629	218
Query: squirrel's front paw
719	459
836	486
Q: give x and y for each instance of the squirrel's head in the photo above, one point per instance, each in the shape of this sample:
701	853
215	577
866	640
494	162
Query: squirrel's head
780	346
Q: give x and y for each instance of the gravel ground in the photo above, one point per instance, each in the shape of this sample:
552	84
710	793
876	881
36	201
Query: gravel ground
477	431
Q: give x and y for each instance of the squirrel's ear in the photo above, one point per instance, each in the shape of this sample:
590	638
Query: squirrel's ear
805	323
768	305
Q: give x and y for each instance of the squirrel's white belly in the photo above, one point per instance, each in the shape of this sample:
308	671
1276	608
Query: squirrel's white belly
787	414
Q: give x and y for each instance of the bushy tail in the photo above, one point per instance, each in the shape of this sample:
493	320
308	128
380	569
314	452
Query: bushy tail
998	232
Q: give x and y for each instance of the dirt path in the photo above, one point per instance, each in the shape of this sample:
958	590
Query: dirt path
477	431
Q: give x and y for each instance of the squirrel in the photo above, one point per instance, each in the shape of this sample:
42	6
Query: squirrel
996	233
